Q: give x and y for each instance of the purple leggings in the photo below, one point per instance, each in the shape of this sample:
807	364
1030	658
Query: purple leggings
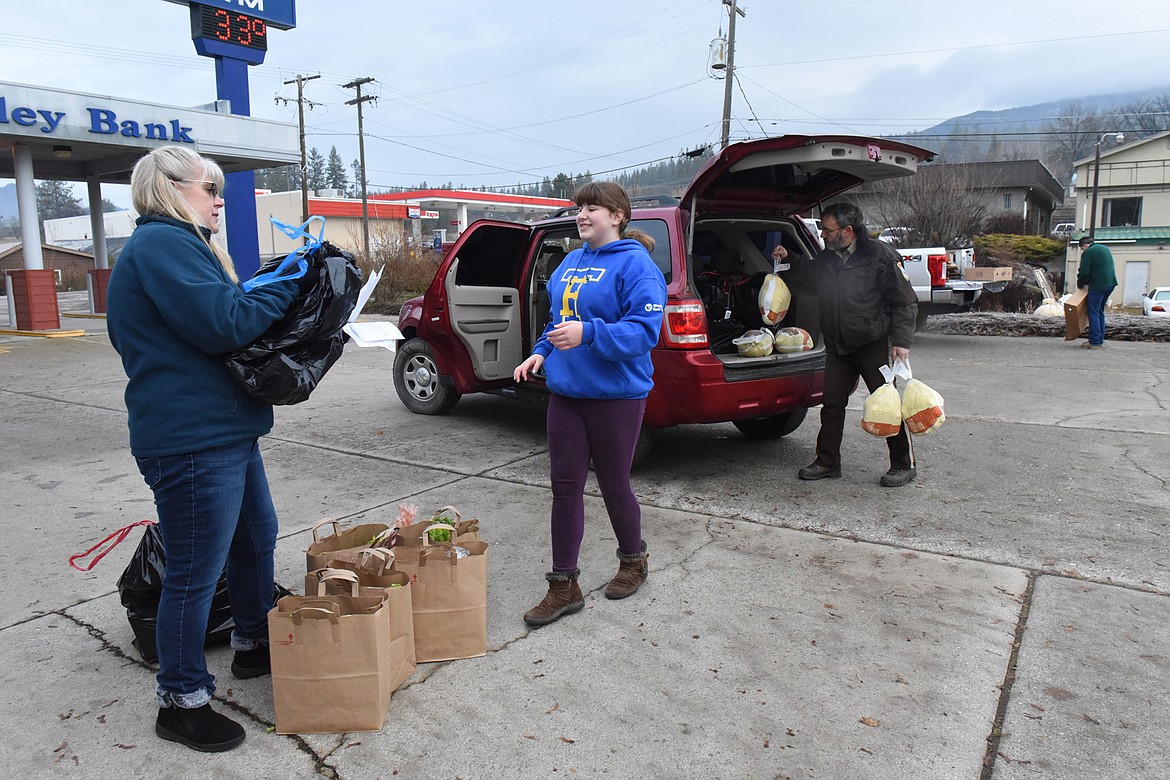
606	430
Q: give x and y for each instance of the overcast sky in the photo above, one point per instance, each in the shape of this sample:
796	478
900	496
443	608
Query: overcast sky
498	93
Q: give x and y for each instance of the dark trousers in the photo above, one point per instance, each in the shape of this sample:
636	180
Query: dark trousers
605	430
841	372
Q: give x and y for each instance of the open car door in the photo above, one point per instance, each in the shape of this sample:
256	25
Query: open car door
483	296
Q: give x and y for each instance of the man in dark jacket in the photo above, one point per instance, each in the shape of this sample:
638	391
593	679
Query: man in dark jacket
867	312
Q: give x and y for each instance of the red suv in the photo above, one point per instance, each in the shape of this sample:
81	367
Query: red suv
487	304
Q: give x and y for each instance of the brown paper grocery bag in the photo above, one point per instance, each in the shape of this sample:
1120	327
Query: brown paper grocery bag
375	572
449	595
331	663
339	542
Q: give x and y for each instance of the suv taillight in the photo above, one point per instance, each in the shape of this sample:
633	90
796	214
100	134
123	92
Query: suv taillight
685	324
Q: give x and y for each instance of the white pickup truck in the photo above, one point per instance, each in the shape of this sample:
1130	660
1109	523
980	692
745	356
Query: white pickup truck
939	277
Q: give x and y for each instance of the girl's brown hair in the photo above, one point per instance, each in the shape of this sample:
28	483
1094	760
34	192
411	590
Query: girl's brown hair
608	195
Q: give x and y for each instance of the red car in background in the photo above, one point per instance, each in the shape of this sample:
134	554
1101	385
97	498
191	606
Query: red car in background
488	303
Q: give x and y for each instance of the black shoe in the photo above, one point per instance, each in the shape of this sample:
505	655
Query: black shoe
201	728
817	471
252	663
898	477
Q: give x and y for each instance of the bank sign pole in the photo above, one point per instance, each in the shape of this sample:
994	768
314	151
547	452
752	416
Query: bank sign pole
235	34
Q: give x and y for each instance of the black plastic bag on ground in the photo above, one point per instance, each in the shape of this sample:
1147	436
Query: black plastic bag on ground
141	585
287	362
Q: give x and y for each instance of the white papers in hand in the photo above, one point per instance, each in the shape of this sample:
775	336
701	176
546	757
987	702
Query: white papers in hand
371	334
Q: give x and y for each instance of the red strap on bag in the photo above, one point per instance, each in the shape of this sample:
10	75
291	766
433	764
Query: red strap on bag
113	540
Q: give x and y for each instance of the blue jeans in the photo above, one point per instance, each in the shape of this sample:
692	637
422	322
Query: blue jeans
213	508
1095	303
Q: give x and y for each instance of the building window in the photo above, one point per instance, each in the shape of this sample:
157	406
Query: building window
1007	201
1120	212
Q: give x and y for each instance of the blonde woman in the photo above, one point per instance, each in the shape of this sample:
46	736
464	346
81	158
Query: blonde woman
175	306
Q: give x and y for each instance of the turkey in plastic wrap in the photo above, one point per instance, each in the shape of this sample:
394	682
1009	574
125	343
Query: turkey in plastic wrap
754	343
793	340
883	409
287	362
922	408
775	298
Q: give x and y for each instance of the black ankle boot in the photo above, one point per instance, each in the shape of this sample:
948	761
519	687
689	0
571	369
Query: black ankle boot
252	663
201	728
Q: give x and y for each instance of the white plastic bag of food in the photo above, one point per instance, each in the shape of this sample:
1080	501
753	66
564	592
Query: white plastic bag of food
793	340
922	407
883	409
775	298
1049	308
754	343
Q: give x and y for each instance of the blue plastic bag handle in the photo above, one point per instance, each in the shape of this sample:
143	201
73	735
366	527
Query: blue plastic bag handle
293	258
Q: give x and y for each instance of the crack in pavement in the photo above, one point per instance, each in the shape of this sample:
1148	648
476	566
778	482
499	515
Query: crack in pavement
1009	679
321	768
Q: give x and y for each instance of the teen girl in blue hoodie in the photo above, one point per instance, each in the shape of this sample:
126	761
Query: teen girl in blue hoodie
606	300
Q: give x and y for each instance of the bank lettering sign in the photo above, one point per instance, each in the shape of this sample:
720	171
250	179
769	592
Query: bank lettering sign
102	121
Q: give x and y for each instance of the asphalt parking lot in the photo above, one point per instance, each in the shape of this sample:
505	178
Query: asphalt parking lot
1004	616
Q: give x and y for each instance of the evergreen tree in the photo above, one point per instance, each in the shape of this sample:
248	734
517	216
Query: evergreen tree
55	199
335	172
356	190
316	173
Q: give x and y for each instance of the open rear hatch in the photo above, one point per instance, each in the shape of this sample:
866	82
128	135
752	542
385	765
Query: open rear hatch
790	174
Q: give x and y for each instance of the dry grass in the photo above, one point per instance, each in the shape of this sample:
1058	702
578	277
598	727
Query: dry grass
405	274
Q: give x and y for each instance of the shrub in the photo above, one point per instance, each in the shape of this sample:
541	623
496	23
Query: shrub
1019	295
1002	249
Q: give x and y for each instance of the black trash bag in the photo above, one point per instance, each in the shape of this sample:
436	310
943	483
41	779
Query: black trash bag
140	587
287	362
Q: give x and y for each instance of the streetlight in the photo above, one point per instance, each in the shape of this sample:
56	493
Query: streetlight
1119	138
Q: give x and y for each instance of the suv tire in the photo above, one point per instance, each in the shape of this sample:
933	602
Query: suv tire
416	379
771	427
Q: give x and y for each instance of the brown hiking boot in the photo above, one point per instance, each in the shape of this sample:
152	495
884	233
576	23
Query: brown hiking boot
563	598
632	572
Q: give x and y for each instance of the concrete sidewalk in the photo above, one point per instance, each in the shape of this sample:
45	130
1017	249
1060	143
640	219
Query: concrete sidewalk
1010	606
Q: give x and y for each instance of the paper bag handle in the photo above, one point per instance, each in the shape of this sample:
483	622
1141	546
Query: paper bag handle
383	554
299	614
389	534
326	575
426	536
422	556
456	512
336	528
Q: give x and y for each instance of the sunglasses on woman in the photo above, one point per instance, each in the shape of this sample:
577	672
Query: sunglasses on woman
210	187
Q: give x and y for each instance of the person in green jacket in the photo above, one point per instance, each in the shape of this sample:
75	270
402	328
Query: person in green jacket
1098	274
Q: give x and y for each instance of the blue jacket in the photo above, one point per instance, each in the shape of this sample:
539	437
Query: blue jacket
172	313
618	294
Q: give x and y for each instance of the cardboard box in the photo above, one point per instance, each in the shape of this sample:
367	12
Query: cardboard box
988	274
1076	315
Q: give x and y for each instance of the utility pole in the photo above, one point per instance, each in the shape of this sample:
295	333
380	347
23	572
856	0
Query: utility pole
300	82
730	77
356	85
